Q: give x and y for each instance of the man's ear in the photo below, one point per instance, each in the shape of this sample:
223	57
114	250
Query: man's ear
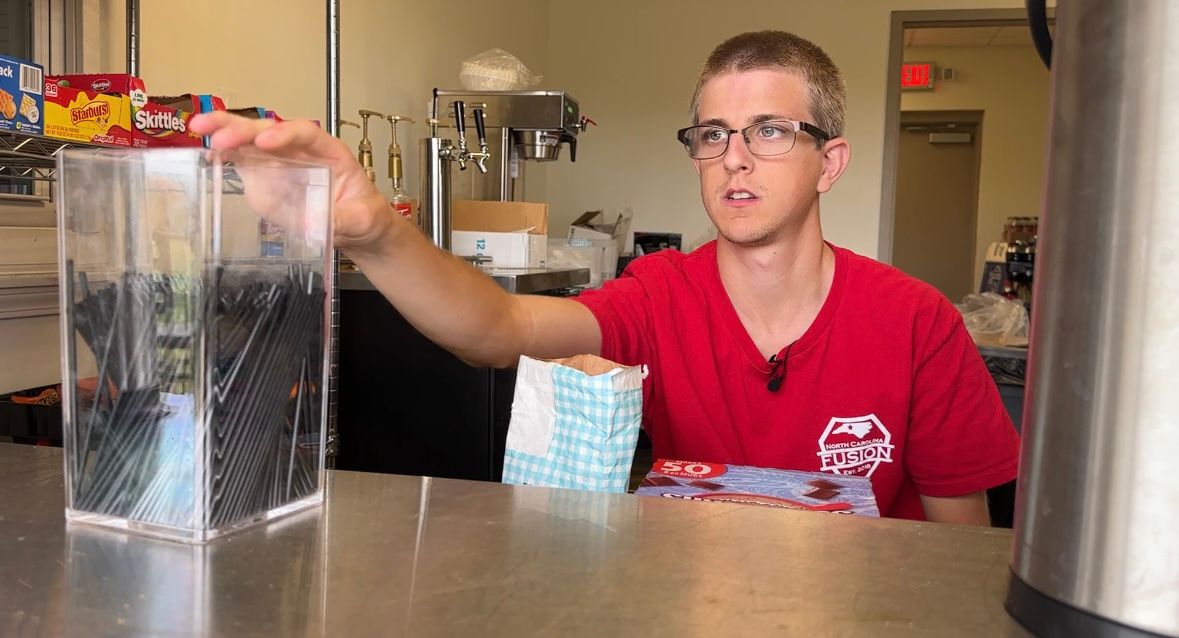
836	155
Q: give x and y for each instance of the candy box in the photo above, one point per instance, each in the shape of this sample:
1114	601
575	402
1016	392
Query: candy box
21	101
190	103
112	83
787	489
93	108
157	125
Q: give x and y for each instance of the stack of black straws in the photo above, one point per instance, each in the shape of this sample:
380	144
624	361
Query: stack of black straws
207	407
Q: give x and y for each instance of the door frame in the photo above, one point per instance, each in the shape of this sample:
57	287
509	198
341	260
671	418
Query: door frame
902	20
969	117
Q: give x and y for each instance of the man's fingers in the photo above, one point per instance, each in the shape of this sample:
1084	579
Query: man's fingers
299	138
237	132
207	123
303	137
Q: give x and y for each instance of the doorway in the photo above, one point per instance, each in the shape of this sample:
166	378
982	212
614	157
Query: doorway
936	214
976	60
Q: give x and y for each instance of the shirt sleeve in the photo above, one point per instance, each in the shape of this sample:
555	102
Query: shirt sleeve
961	439
623	310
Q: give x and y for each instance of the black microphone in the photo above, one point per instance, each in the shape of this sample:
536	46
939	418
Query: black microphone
778	370
776	379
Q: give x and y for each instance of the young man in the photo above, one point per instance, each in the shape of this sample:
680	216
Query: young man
767	347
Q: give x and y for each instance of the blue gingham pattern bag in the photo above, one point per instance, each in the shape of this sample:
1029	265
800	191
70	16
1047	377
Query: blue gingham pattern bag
574	424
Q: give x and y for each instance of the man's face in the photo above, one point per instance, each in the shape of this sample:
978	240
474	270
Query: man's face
784	188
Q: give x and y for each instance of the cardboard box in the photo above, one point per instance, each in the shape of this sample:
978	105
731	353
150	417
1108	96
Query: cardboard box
506	250
190	102
88	116
591	227
111	83
251	112
504	217
786	489
22	105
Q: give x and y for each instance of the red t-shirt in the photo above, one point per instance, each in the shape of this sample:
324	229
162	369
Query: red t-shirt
886	382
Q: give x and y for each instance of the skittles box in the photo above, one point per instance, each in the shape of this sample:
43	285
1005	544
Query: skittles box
21	102
157	125
786	489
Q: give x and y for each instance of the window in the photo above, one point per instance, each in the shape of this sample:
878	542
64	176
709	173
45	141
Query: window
44	32
16	28
16	40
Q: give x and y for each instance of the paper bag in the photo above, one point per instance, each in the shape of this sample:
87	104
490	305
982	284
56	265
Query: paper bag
574	424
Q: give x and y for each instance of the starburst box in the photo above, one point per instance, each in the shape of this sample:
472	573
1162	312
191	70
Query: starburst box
93	109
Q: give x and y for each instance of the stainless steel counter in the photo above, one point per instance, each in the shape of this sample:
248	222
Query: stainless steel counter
517	280
393	555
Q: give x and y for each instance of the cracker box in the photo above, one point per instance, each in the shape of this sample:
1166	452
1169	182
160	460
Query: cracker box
22	104
788	489
83	108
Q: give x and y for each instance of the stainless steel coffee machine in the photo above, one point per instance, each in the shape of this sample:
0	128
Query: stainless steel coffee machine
514	127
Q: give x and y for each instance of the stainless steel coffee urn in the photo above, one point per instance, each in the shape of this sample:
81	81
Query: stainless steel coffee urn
1097	513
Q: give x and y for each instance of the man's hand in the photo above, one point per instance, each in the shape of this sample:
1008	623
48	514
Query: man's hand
447	300
360	213
970	509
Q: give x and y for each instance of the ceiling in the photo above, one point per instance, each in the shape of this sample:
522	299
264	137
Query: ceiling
1009	36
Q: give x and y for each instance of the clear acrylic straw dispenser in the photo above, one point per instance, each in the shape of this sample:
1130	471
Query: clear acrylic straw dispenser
195	300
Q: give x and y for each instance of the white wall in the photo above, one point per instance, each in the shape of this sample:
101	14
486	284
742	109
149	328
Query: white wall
633	66
1010	86
268	54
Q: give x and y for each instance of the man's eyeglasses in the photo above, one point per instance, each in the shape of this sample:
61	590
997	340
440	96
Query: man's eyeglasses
765	139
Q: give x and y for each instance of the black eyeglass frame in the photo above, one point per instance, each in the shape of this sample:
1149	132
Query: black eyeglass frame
799	126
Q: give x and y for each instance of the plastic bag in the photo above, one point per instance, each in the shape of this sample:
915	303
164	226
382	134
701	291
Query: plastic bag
995	320
496	70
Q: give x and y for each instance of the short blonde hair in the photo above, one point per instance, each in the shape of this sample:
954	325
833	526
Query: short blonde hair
757	50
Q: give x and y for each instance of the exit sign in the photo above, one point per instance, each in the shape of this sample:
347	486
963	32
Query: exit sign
917	76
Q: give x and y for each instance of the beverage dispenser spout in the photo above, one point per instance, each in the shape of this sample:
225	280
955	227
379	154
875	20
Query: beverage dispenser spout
365	151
